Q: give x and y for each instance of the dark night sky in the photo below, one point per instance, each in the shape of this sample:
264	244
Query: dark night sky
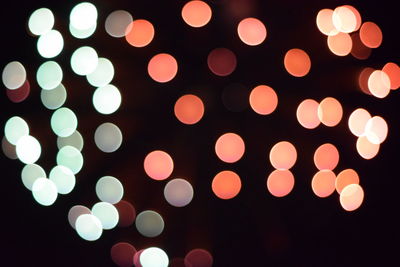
255	228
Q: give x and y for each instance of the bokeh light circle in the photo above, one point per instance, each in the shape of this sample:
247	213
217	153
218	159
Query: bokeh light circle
30	173
88	227
196	13
149	223
189	109
330	112
307	114
198	258
158	165
283	155
297	62
376	130
280	183
252	31
41	21
109	189
326	157
162	68
178	192
340	44
107	99
103	74
358	120
229	147
122	254
75	140
139	33
63	178
108	137
345	178
379	84
323	183
117	23
75	212
154	257
50	44
226	185
13	75
55	98
263	100
365	148
83	16
393	71
63	122
71	158
49	75
371	34
15	128
221	61
351	197
44	191
107	214
28	149
325	22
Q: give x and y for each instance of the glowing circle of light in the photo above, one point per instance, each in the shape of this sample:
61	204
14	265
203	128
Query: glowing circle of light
30	173
84	60
344	19
226	185
189	109
109	189
82	34
154	257
88	227
324	22
252	31
221	61
330	112
340	44
178	192
345	178
196	13
139	33
149	223
50	44
122	254
379	84
162	67
107	214
108	137
107	99
365	148
351	197
307	114
326	157
229	147
75	140
357	15
280	183
83	16
49	75
263	100
371	34
71	158
75	212
13	75
15	128
158	165
297	62
63	178
103	74
376	130
28	149
323	183
358	120
64	122
117	23
283	155
44	191
55	98
41	21
393	71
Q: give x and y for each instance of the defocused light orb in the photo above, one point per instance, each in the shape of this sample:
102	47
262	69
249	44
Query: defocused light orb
263	100
358	120
14	75
9	149
55	98
44	191
15	128
41	21
158	165
326	157
229	147
323	183
71	158
376	130
340	44
83	16
330	112
351	197
363	80
221	61
325	22
82	34
28	149
75	212
365	148
162	68
196	13
49	75
280	183
75	140
252	31
88	227
50	44
189	109
371	34
109	189
30	173
178	192
226	185
127	213
122	254
154	257
358	49
63	178
357	15
103	74
307	114
84	60
107	99
393	71
149	223
107	214
198	258
20	94
345	178
283	155
63	122
117	23
139	33
108	137
297	62
379	84
344	19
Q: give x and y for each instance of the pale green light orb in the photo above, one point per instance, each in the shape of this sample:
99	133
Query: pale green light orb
107	99
49	75
103	74
50	44
83	16
84	60
82	34
15	128
154	257
41	21
28	149
64	122
88	227
71	158
44	191
30	173
109	189
107	214
55	98
63	178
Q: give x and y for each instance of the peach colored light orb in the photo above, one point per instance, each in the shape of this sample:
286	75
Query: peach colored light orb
229	147
162	68
340	44
363	80
376	130
252	31
393	71
330	112
351	197
139	33
189	109
358	120
263	100
280	183
158	165
221	61
283	155
226	185
323	183
344	19
379	84
357	14
325	22
346	177
365	148
196	13
371	34
307	114
297	62
326	157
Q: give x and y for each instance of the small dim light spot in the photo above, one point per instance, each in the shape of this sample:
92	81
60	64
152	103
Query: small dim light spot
122	254
109	189
351	197
149	223
189	109
323	183
379	84
20	94
117	23
283	155
325	22
393	71
307	114
263	100
340	44
162	68
198	257
221	61
196	13
158	165
229	147
363	80
371	34
280	183
365	148
358	120
252	31
330	112
376	130
345	178
226	185
297	62
326	157
139	33
127	213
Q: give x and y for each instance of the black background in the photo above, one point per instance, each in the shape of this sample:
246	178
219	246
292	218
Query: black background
255	228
